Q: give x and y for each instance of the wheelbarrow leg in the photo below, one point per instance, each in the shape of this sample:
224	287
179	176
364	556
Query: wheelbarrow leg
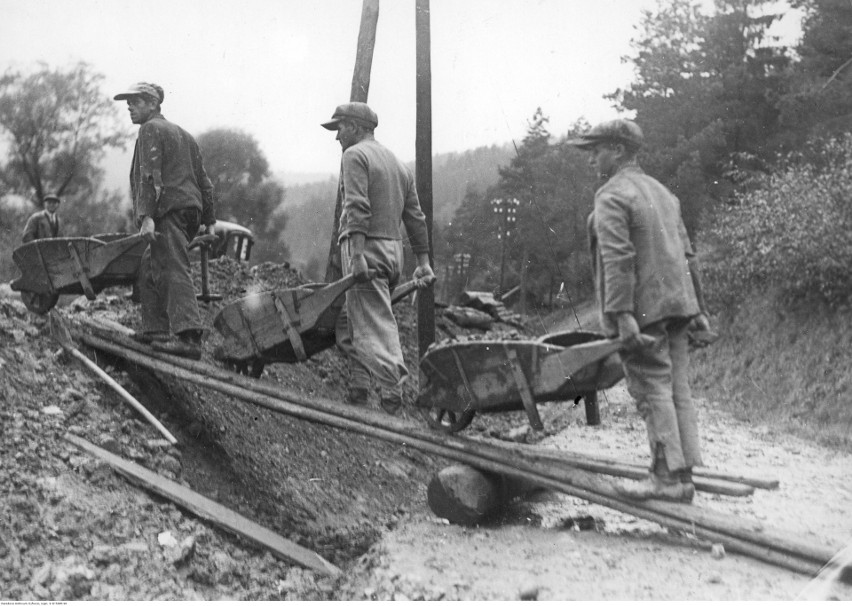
524	389
593	410
82	273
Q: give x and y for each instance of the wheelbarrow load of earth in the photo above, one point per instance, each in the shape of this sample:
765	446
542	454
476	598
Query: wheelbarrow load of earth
72	266
461	378
286	325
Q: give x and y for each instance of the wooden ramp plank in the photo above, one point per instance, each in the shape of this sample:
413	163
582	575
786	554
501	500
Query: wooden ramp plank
210	510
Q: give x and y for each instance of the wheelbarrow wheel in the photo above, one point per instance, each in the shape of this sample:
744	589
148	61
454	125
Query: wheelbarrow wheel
38	303
447	421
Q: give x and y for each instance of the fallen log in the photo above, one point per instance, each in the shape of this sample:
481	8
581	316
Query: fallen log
465	495
209	510
736	534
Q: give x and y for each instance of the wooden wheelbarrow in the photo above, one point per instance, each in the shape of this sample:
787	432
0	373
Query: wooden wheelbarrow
60	266
457	380
287	325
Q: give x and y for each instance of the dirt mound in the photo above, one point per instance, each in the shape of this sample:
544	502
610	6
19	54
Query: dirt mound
77	531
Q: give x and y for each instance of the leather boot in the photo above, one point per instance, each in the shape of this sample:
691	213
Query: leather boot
187	345
660	484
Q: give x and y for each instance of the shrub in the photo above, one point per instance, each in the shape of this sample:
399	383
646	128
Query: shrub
792	233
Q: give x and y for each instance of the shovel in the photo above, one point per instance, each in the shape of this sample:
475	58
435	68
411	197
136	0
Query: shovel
60	333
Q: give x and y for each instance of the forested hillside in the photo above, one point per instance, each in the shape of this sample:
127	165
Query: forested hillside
309	207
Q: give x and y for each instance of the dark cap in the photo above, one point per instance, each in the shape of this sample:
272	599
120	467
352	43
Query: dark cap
613	131
142	88
358	112
51	197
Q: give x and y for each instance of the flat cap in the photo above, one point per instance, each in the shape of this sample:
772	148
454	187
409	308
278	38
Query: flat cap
612	131
358	112
50	197
142	88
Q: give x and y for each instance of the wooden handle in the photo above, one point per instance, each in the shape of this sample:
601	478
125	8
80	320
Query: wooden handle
123	393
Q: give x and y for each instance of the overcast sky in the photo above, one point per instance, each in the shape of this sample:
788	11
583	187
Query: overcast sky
277	68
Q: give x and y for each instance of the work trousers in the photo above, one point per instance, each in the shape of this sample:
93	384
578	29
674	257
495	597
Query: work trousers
367	331
165	282
657	378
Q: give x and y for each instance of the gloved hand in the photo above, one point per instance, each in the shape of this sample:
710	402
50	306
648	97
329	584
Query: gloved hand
699	332
358	268
147	229
424	276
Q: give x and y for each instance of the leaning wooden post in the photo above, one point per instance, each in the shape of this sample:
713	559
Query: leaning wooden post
359	92
423	165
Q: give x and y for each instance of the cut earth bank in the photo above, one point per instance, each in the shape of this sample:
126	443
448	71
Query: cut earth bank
74	530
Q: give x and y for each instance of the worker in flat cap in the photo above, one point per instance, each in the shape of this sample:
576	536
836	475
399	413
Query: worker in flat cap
172	202
647	283
44	223
379	197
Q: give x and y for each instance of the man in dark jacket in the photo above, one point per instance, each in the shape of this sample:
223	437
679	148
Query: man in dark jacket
44	223
172	200
647	283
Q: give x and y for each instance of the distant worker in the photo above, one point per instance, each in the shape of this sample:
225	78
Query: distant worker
379	195
647	280
43	223
172	199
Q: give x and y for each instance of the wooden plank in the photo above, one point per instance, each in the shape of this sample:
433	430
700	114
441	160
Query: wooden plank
209	510
743	536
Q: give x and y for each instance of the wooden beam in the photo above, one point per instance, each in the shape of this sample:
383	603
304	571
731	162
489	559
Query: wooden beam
736	534
423	165
209	510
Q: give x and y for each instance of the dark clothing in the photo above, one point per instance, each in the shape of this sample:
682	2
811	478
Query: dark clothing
167	173
40	226
378	195
165	281
169	184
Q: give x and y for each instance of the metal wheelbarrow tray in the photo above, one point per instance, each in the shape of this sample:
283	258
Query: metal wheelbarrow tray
457	380
58	266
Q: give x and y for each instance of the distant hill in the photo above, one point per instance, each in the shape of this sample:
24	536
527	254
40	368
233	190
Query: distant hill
310	206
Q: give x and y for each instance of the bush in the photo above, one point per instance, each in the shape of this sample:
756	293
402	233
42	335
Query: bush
793	233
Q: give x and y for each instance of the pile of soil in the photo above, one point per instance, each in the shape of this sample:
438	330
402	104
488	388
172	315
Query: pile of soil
74	530
71	529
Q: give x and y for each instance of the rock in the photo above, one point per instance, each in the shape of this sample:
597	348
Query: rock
167	539
107	442
51	410
529	593
717	551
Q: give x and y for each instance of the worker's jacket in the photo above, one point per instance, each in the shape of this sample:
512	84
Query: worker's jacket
167	173
379	196
40	226
640	251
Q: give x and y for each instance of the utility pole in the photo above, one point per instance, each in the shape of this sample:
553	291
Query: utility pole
423	165
359	91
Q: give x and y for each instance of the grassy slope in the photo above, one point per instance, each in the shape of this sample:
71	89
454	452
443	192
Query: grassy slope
786	367
791	369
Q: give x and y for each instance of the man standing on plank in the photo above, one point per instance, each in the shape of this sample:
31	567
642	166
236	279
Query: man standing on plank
379	196
172	200
647	283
